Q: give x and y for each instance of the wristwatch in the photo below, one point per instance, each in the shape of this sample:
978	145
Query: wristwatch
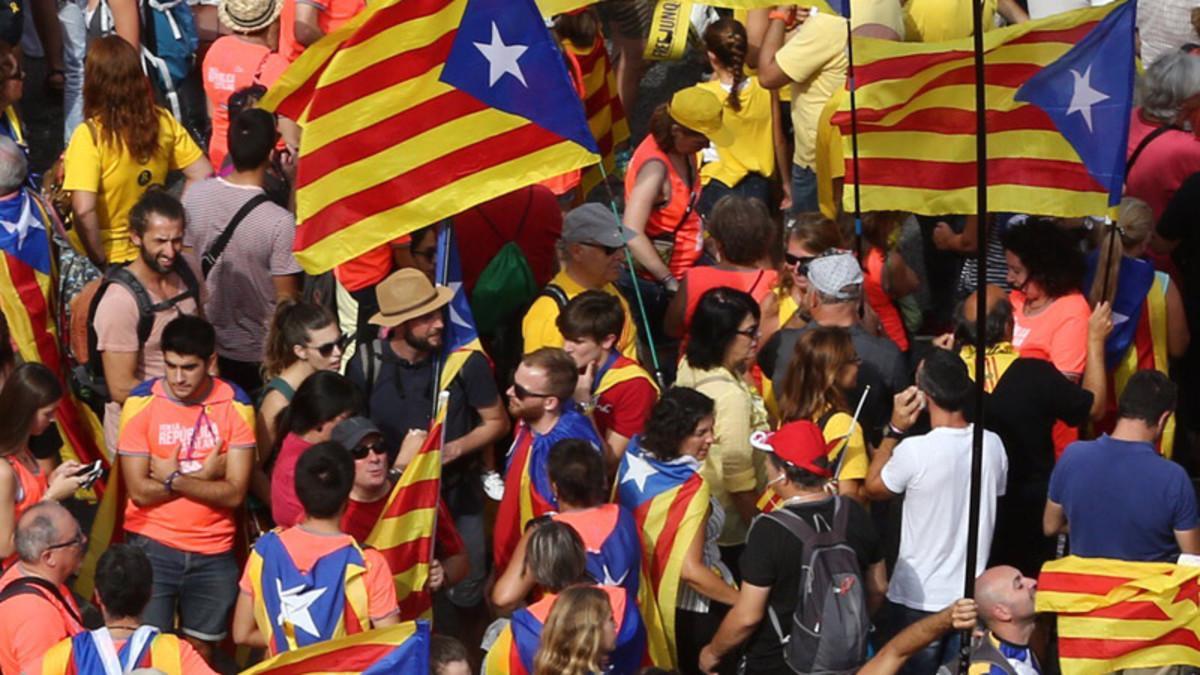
394	473
169	483
893	432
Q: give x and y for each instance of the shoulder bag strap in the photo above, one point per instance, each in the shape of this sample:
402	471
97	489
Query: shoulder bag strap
209	260
27	585
1137	152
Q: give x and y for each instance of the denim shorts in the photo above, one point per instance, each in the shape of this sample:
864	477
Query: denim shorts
200	588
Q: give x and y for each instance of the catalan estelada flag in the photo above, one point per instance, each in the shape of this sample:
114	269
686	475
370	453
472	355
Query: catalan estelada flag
669	501
1114	614
418	109
1059	92
403	648
605	114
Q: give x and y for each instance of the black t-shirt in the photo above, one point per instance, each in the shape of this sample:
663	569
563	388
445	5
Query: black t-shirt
773	558
1029	398
402	399
1179	223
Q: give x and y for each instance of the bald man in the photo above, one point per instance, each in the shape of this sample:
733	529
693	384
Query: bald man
1005	600
1027	397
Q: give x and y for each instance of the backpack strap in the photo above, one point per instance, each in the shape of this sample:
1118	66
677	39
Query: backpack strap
209	260
147	308
30	585
370	362
983	651
556	293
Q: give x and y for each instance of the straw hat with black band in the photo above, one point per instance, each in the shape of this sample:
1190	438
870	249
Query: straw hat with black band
406	295
248	16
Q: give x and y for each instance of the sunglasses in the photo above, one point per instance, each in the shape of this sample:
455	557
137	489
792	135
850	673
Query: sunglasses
523	393
326	350
361	451
800	262
77	540
608	250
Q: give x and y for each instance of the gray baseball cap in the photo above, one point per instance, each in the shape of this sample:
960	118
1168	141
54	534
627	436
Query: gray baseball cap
350	431
595	223
837	275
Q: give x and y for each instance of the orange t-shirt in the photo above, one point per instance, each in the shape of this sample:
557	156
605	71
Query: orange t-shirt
153	423
232	64
32	624
367	269
1057	334
305	548
331	14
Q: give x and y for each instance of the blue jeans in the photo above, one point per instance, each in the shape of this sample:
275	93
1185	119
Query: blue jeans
74	33
753	185
202	588
895	618
804	190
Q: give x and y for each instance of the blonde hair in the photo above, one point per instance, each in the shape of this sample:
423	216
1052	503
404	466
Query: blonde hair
572	639
1135	220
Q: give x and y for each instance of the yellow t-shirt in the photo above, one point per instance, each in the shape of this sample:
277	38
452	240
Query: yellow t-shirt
939	20
830	161
540	328
854	466
119	180
815	59
753	148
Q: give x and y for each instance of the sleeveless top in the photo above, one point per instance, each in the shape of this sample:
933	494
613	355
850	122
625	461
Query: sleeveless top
31	487
676	224
758	283
280	385
885	309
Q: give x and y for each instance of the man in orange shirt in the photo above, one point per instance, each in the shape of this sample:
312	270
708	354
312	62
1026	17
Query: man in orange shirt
312	582
187	449
36	607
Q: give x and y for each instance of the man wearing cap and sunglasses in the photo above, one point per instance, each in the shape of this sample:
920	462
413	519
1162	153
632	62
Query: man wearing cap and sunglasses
772	576
398	376
592	250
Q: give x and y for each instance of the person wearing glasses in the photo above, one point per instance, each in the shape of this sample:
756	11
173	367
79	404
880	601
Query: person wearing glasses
373	482
244	242
592	251
721	348
810	235
36	606
187	453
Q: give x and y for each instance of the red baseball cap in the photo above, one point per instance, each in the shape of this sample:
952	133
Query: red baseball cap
798	443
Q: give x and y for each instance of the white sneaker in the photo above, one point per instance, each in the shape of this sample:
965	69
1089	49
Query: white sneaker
493	485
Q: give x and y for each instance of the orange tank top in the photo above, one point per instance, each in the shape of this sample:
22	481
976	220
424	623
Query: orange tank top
889	316
758	283
31	487
676	224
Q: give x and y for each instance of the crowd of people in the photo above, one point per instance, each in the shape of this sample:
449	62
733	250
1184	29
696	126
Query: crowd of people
711	429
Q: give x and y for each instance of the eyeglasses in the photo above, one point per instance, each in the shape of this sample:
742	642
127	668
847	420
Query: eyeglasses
523	393
361	451
78	540
751	332
800	262
608	250
326	350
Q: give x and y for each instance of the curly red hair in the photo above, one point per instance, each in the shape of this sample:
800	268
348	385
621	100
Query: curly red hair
118	95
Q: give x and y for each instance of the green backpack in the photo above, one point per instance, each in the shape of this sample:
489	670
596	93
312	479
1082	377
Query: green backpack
506	285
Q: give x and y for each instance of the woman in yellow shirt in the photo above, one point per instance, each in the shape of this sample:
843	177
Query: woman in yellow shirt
822	368
746	166
130	144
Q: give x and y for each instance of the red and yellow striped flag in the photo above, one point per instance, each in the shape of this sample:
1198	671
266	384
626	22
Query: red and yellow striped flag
605	114
916	118
1114	614
418	109
403	648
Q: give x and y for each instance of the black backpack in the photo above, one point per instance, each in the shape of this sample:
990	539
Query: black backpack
830	625
88	377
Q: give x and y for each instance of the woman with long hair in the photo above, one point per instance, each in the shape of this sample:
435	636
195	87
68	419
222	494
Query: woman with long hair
721	346
27	404
823	367
324	399
579	634
674	443
128	145
747	165
304	338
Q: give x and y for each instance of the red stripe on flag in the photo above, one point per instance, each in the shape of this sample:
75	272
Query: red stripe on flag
386	134
929	175
956	121
1075	582
354	658
378	76
414	605
24	280
1111	648
1069	35
1143	610
394	15
666	539
1002	75
438	173
419	495
407	553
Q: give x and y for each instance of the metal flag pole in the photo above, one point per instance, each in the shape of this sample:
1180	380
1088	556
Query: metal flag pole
443	251
837	467
852	86
964	653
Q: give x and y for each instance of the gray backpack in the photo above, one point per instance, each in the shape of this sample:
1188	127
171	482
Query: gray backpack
830	625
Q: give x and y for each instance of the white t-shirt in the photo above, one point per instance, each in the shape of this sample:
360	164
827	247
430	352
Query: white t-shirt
934	473
1040	9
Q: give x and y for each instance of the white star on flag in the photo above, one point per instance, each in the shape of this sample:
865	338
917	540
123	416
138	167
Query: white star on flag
294	604
1084	97
639	470
501	58
456	318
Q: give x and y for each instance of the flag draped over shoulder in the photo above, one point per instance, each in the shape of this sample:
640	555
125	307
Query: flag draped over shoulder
403	648
418	109
669	501
1058	94
1114	614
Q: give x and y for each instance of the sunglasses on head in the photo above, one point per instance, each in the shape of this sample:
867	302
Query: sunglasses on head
361	451
800	262
326	349
523	393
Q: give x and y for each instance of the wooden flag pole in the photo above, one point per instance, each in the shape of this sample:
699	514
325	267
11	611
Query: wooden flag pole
964	653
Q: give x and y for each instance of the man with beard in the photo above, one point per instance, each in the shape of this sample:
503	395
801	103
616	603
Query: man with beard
399	375
156	286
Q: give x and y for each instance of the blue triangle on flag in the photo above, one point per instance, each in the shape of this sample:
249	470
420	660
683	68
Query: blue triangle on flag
1088	94
460	322
504	56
